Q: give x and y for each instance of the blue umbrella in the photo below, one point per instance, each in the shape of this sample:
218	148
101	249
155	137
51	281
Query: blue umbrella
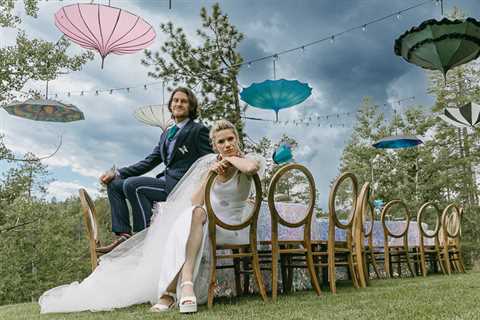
397	142
276	94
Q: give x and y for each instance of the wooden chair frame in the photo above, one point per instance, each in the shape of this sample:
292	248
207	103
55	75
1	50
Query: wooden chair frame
284	249
341	253
451	230
238	251
90	219
360	234
402	252
432	253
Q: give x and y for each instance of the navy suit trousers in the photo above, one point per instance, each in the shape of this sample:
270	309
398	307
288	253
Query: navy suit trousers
140	192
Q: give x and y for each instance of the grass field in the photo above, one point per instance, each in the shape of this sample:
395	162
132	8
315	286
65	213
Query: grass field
435	297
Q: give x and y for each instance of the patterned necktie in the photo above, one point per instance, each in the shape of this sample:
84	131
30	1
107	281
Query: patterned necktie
171	132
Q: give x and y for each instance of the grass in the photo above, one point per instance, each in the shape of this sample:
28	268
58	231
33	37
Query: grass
435	297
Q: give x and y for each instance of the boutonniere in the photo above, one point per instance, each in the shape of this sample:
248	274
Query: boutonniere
183	149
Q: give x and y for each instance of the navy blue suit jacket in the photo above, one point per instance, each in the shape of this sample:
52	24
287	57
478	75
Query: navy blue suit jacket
191	143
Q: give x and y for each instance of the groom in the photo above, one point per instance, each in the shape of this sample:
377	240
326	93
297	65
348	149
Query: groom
179	147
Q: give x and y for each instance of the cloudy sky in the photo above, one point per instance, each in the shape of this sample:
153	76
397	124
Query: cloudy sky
356	64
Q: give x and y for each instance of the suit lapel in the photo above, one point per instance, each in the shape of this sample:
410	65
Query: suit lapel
182	135
163	146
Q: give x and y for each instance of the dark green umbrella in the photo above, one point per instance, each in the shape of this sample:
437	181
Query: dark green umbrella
45	110
440	45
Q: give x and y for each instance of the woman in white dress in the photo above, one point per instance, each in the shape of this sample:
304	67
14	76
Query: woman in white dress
171	256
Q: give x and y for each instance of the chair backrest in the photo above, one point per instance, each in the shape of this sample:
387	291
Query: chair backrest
89	214
334	221
387	231
451	222
90	219
276	217
249	221
421	216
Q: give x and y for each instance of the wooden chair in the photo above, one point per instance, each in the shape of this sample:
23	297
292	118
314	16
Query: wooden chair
292	253
451	220
401	252
341	253
363	234
433	252
239	251
90	219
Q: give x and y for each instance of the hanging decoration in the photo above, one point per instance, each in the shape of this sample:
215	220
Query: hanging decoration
45	110
155	115
397	142
467	116
104	29
440	45
282	154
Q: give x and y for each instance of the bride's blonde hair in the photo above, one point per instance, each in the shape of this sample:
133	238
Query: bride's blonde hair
220	125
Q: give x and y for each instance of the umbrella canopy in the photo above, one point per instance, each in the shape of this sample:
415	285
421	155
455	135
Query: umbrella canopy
276	94
282	154
397	142
440	45
465	116
155	115
45	110
103	28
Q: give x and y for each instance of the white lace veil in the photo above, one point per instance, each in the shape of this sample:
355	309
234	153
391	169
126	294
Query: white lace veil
178	200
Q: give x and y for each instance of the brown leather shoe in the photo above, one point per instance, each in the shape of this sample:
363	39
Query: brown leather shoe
113	245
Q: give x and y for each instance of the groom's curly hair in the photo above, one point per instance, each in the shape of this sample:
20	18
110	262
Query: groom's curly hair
192	102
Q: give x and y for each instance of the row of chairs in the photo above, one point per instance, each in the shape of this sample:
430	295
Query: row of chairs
357	252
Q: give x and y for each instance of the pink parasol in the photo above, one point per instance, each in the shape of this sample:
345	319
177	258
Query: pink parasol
104	28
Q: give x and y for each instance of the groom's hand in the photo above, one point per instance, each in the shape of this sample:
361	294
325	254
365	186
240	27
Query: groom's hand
107	177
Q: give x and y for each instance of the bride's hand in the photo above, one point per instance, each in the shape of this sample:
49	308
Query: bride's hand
220	166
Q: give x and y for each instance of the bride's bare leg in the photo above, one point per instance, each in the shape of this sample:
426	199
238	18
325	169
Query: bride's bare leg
199	217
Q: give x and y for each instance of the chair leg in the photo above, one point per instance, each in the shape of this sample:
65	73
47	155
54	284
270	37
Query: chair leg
274	271
213	278
284	272
374	264
236	268
246	276
313	275
258	274
332	277
351	267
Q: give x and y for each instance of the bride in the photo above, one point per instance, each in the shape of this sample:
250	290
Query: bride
172	255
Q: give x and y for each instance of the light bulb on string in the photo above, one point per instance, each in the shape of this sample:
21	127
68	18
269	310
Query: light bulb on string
332	39
145	86
249	65
81	93
128	90
68	94
302	48
364	28
399	15
96	92
111	91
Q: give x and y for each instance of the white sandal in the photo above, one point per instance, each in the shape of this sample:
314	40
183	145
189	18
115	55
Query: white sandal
188	304
160	307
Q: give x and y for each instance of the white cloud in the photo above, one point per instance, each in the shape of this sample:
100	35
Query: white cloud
64	189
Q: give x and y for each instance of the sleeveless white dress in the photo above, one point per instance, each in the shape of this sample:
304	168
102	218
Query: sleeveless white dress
141	268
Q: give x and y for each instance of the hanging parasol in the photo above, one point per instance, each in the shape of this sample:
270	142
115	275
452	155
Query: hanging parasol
45	110
282	154
465	116
155	115
397	142
440	45
276	94
104	28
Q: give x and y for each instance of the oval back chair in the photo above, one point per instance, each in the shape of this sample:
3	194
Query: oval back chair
239	251
290	250
451	234
401	252
90	219
430	252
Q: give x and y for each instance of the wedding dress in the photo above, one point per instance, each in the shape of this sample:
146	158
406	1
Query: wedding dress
141	268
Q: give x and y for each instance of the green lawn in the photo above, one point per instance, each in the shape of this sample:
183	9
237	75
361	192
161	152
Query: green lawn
435	297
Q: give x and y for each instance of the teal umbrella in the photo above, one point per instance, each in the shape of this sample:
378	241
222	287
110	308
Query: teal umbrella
276	94
440	45
45	110
397	142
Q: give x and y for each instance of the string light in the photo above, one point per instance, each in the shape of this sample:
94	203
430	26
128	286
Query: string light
332	39
364	28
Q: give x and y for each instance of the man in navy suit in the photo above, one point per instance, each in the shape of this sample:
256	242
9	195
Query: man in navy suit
179	147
